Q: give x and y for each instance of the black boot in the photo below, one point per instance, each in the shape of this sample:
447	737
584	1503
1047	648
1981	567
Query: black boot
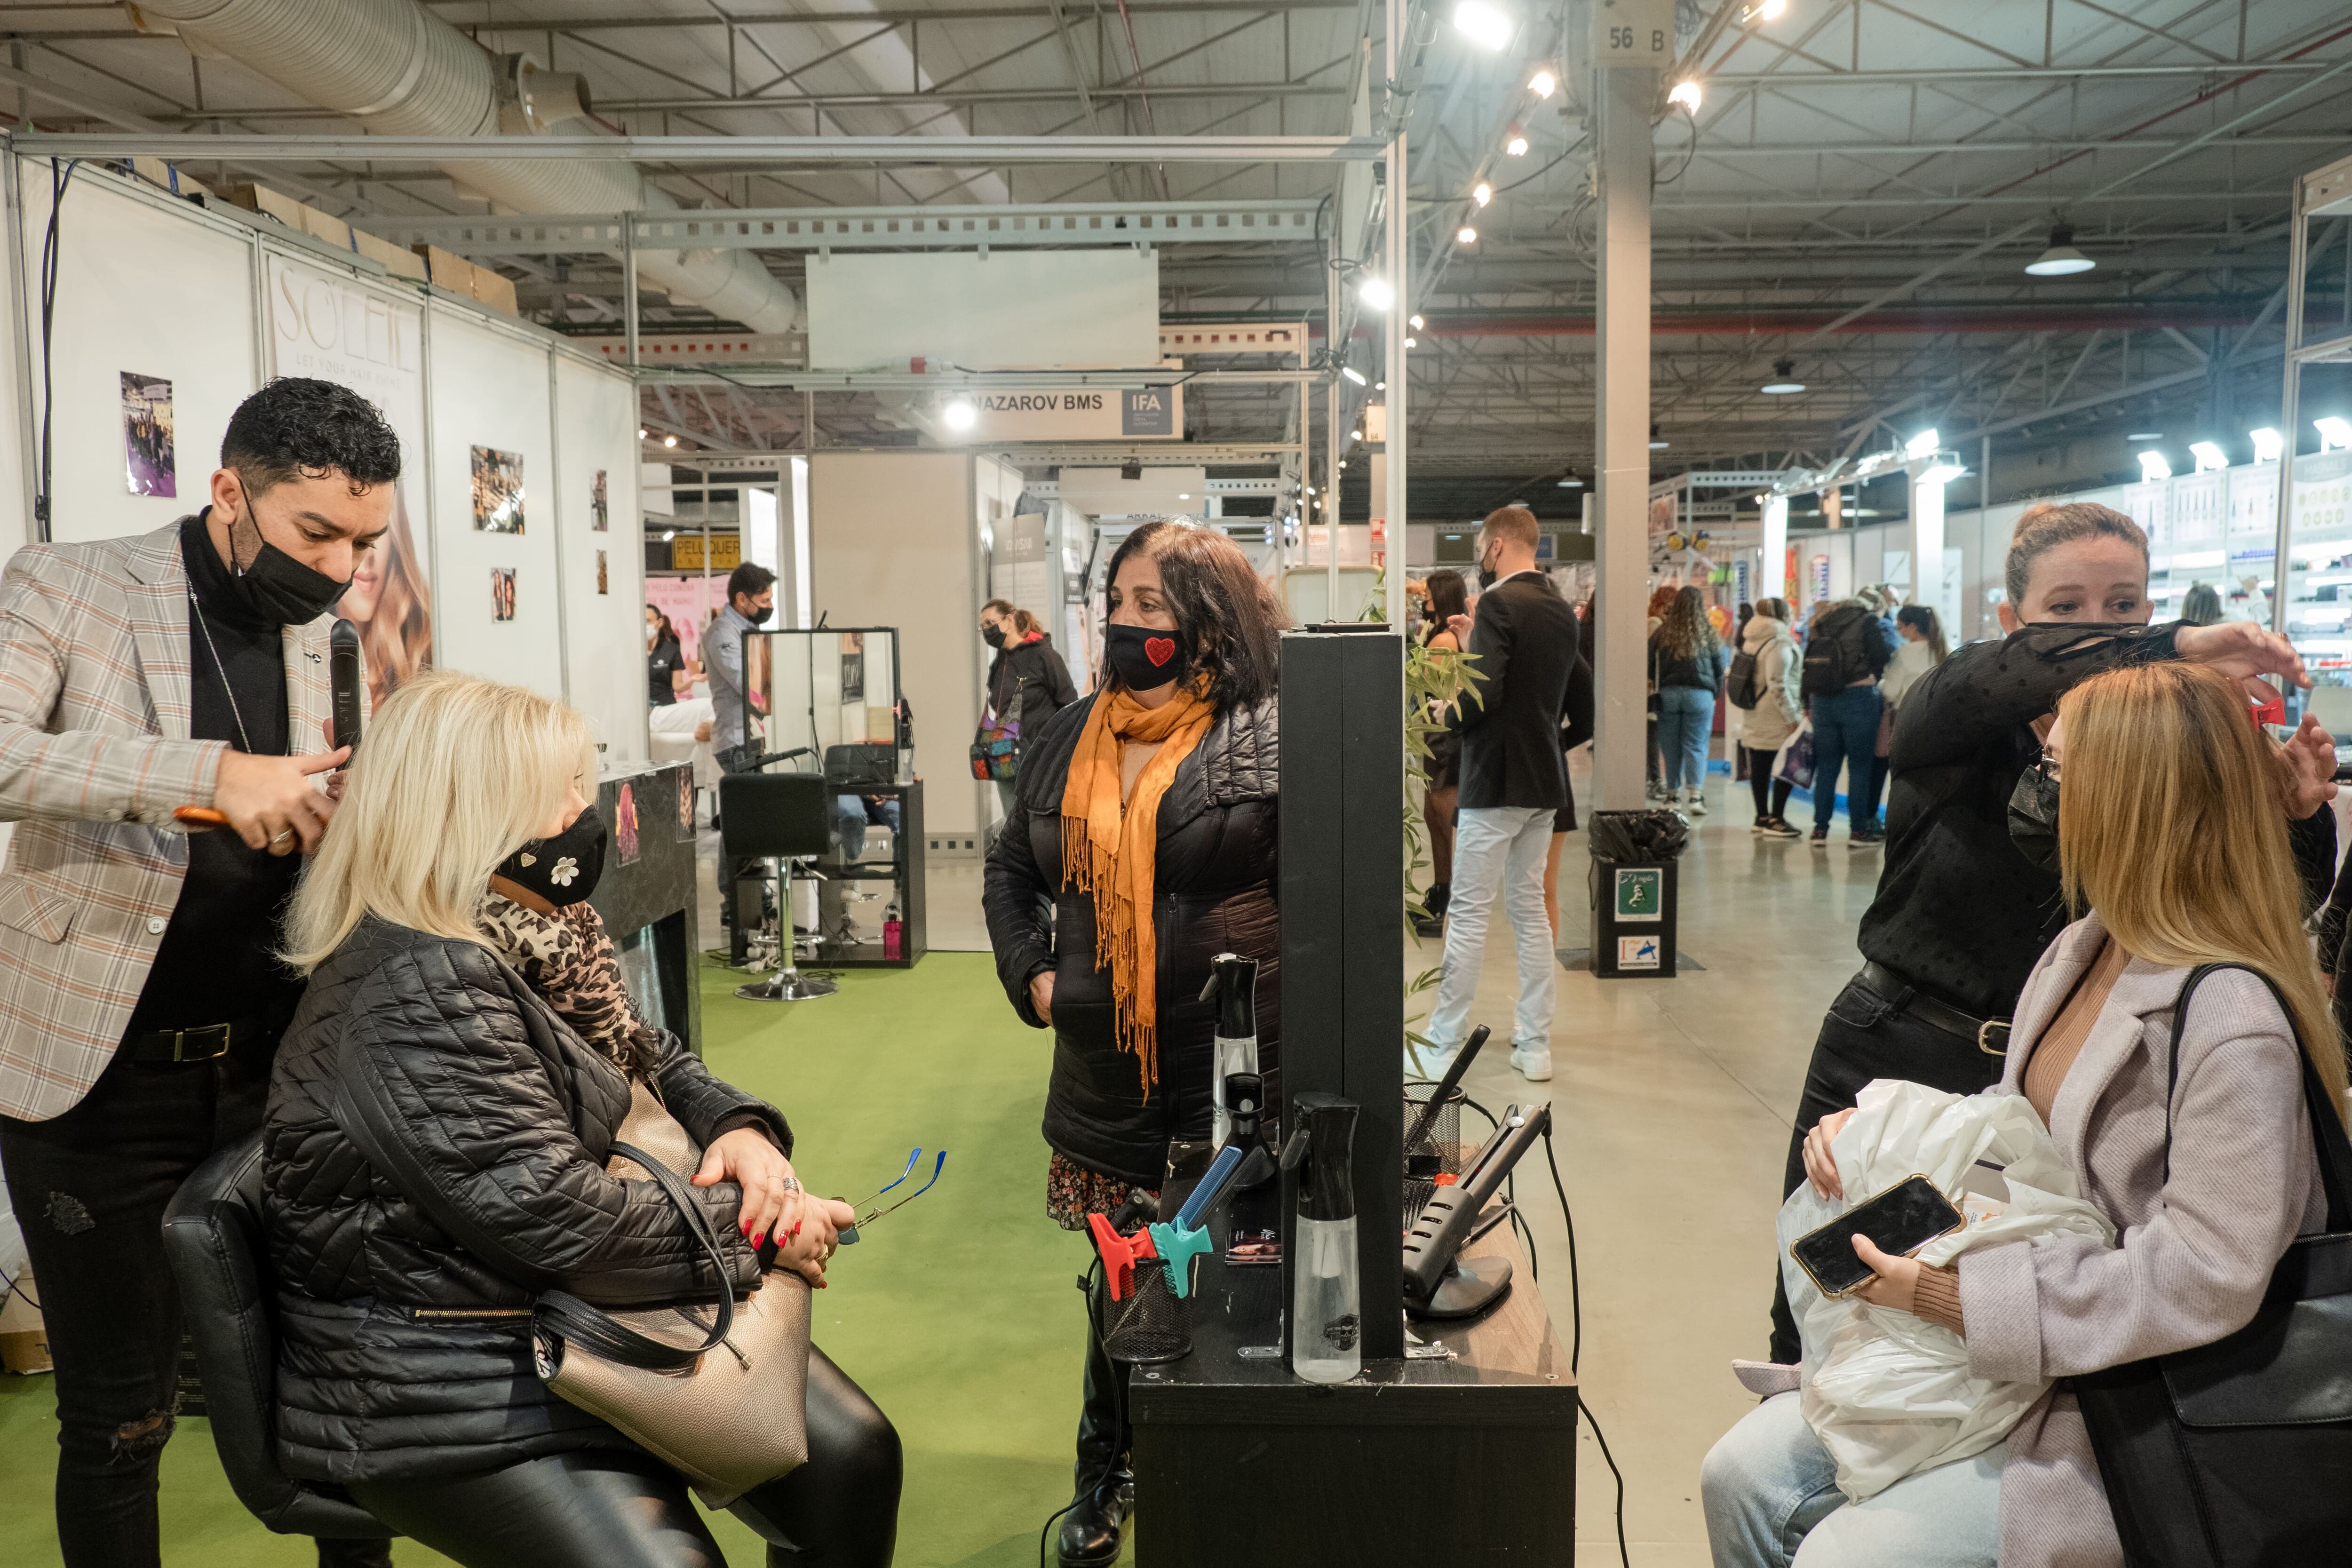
1093	1529
1435	901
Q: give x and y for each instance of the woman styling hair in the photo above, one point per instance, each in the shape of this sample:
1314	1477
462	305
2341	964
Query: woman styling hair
1145	824
464	997
2159	804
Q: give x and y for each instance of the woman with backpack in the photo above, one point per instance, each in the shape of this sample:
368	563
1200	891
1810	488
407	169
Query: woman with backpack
1687	659
1844	660
1763	685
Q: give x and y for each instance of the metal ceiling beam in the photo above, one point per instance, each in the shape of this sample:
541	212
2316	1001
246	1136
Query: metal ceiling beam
754	151
1996	73
861	228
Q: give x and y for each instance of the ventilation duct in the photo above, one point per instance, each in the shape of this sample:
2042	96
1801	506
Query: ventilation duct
402	71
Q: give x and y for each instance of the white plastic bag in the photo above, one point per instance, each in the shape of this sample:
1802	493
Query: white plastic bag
1889	1394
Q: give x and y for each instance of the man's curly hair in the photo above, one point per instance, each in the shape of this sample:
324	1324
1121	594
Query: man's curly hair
295	425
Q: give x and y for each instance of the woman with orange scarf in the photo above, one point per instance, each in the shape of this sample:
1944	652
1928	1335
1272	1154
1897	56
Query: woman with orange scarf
1141	846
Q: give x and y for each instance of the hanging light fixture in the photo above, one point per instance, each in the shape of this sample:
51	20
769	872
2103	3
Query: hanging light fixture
1514	142
1416	323
1543	84
1375	293
669	440
1658	442
2060	259
1466	235
1482	193
1686	95
1352	374
1488	27
1784	379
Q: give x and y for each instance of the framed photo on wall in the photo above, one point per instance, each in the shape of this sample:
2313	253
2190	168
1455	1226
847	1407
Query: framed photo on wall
503	593
147	456
498	490
600	509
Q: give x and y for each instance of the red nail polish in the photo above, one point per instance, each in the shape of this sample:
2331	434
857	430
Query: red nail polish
759	1238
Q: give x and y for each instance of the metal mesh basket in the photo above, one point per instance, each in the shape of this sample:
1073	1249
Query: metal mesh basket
1151	1324
1438	1152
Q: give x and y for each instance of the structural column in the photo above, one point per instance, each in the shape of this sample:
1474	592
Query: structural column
1772	581
1622	96
1399	268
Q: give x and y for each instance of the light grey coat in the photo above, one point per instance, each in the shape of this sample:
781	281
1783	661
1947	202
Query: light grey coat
2196	1250
1779	711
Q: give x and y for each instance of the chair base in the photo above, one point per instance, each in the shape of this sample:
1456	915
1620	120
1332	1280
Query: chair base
787	985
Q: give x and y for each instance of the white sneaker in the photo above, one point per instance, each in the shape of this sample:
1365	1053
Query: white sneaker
1698	803
1533	1065
1432	1063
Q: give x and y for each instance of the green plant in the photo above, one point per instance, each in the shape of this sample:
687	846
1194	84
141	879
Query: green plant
1432	677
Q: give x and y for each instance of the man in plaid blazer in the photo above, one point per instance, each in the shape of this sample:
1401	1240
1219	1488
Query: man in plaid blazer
140	998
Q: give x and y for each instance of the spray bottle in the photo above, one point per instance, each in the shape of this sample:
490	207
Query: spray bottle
1327	1291
1233	980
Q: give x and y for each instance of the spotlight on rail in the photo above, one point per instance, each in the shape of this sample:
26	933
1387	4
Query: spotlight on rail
2153	465
2209	455
2268	444
1375	293
1686	95
1514	142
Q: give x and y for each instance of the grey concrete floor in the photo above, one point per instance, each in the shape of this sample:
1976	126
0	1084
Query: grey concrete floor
1672	1101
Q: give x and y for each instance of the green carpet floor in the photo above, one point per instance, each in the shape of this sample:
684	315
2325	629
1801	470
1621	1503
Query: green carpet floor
958	1313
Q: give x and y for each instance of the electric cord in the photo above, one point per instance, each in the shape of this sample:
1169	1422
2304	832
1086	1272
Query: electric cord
1118	1404
43	493
1575	1343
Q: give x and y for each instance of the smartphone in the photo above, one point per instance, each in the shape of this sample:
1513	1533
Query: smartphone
1898	1221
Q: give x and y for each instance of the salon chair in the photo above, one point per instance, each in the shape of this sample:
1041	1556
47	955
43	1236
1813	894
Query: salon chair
212	1237
785	818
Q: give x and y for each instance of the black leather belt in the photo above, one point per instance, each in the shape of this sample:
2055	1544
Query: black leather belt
201	1044
1907	998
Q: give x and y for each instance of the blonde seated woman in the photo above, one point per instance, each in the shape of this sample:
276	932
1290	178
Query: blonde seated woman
459	980
2165	801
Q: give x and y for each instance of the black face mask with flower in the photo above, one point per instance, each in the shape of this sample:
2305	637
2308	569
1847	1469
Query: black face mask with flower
561	869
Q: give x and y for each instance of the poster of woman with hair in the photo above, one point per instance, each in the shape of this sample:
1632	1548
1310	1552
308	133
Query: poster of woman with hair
389	603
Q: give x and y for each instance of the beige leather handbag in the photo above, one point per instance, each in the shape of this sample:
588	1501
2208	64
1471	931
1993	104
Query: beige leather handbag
719	1392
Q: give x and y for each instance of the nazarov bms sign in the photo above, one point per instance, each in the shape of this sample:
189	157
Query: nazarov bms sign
1078	414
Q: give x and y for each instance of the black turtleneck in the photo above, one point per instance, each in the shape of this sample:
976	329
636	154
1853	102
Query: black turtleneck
217	963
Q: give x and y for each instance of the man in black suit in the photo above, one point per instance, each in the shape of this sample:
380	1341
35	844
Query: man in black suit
1514	777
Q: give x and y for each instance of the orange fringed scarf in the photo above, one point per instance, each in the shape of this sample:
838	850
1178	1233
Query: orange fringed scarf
1110	851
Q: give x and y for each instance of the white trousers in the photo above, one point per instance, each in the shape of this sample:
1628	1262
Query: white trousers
1498	850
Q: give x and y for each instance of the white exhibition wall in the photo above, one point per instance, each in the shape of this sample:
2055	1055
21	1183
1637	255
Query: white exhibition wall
893	542
153	285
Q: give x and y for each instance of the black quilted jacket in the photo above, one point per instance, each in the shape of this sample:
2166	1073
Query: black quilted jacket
1215	892
405	1293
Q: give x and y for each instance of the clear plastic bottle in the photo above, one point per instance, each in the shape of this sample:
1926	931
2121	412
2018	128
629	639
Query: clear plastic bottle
1327	1294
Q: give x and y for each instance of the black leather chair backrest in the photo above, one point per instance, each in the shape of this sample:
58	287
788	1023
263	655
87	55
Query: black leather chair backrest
785	814
213	1236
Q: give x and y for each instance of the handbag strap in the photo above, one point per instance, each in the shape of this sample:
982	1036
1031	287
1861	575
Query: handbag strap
2328	1139
600	1333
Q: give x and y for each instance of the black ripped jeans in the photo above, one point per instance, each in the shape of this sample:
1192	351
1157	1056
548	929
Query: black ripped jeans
89	1188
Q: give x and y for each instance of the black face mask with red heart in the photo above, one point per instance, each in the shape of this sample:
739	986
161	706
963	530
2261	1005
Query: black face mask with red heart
1143	658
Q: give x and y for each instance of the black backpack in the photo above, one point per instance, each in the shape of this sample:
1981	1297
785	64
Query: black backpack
1842	650
1741	685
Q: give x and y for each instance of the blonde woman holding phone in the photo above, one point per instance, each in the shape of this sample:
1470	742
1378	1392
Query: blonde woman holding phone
2160	803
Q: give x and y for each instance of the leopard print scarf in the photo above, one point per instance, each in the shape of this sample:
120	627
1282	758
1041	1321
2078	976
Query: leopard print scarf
567	959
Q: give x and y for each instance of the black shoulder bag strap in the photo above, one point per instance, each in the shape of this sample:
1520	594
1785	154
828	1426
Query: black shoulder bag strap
2328	1139
559	1312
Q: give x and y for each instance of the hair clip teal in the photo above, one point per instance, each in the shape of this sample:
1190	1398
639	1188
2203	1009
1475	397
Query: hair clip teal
1178	1245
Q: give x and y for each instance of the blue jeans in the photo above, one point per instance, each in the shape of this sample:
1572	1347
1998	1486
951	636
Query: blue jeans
1498	850
1769	1492
1685	724
1846	728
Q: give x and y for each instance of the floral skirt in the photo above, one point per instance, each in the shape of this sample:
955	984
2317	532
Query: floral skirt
1073	1192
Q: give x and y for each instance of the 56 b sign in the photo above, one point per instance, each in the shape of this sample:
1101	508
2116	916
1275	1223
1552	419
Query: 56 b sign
1633	31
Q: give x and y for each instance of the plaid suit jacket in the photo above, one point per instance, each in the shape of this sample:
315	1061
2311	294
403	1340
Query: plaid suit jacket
95	753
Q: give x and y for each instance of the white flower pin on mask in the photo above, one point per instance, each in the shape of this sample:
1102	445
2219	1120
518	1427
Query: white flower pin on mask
565	870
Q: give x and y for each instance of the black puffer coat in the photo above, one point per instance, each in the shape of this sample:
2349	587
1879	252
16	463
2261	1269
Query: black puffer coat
405	1294
1029	683
1213	892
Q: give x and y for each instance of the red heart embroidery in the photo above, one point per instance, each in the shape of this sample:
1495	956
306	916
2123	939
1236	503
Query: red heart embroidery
1159	650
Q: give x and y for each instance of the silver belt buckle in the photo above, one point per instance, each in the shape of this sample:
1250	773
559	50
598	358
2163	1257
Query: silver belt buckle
1985	1029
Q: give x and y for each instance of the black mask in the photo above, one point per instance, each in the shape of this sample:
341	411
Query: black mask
562	870
992	635
278	589
758	614
1143	658
1487	575
2033	816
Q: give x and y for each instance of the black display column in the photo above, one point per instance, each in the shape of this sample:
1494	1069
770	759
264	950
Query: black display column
1343	925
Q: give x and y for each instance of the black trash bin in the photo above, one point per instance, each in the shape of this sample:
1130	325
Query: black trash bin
1635	856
